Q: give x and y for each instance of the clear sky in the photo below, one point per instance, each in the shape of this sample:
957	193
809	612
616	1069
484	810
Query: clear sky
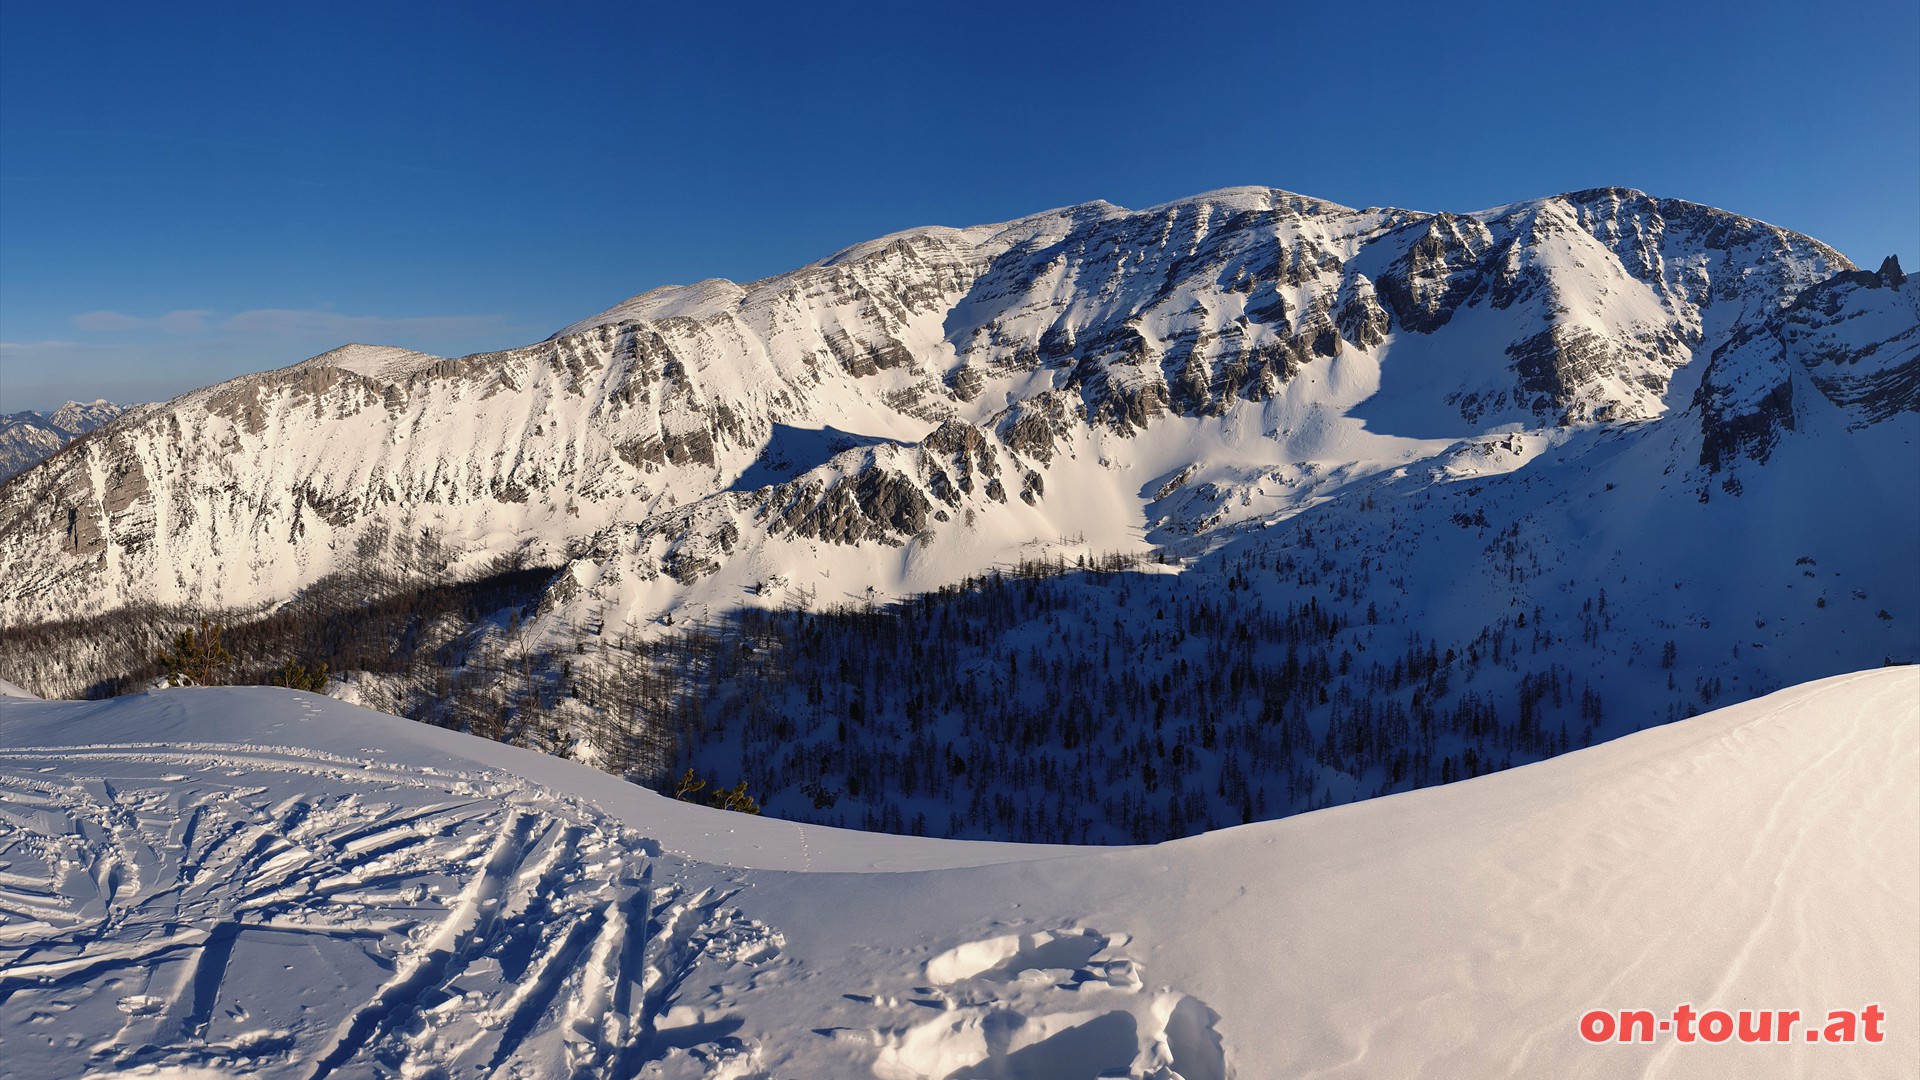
191	191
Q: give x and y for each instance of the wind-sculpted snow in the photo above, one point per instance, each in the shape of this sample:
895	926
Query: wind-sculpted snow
259	882
1054	1003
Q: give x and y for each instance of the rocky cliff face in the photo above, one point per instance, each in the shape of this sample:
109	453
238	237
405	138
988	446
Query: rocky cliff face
926	405
1846	351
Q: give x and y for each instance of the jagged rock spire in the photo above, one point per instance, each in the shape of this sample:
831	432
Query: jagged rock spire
1890	272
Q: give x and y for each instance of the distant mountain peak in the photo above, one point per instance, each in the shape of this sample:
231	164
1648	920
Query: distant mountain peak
27	438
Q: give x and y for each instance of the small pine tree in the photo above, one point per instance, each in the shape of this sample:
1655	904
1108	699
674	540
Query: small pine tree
734	798
688	786
297	676
196	659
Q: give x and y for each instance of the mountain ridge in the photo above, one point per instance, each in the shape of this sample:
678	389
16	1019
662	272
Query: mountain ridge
1216	344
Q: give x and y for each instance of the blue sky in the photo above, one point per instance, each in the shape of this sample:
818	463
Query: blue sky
192	191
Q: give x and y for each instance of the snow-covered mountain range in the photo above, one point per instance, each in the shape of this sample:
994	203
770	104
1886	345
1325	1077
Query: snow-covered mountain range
257	882
1452	463
29	437
1276	345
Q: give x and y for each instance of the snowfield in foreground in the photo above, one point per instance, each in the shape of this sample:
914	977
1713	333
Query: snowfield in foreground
254	881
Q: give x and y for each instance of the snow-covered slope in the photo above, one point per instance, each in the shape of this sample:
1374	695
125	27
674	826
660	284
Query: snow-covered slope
27	438
268	882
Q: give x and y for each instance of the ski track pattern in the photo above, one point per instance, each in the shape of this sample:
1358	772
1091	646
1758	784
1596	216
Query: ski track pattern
280	911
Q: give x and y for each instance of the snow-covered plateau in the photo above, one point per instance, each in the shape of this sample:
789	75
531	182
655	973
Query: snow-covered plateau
252	881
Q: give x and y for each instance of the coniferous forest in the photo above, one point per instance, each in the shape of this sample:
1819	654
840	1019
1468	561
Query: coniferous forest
1104	701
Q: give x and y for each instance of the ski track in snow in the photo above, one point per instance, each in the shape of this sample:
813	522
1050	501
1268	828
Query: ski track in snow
285	911
227	900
